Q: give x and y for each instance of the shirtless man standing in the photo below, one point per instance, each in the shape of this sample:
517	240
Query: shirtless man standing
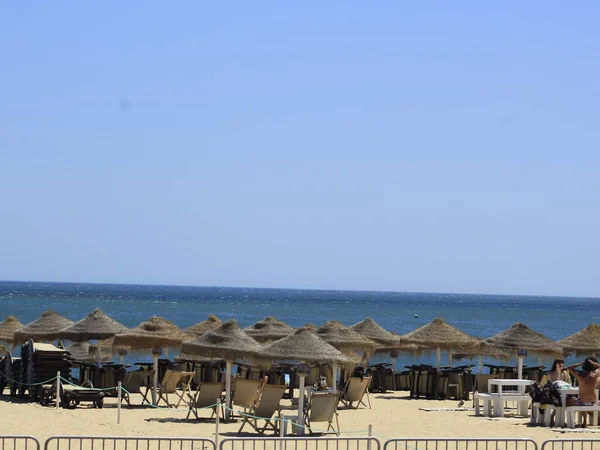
588	383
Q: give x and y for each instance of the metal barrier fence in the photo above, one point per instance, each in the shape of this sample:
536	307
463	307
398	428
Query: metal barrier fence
300	443
459	444
128	443
286	443
19	443
571	444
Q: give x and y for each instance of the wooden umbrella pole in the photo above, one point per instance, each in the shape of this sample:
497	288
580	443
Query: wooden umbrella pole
334	369
300	428
227	390
154	379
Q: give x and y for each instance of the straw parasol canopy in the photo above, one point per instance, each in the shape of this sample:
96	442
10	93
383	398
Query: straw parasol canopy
155	332
209	324
310	326
370	329
442	335
3	349
304	346
8	327
344	339
44	328
83	351
520	336
269	329
96	325
584	342
227	342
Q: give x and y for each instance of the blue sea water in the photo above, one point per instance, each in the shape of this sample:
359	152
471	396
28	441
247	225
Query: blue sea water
400	312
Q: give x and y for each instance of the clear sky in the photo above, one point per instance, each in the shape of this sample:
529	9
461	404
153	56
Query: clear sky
409	146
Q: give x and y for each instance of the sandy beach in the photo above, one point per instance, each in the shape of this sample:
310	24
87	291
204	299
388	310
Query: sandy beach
393	415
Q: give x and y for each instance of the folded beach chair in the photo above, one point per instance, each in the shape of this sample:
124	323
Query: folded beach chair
206	396
354	392
264	408
134	381
246	393
322	408
170	384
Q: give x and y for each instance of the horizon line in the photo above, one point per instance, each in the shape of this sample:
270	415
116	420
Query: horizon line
302	289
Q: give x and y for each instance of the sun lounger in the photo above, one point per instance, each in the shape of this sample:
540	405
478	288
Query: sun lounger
71	396
322	408
354	392
206	396
264	409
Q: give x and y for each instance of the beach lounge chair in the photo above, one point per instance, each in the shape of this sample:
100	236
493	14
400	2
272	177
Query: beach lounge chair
265	407
206	397
354	392
322	408
246	393
170	384
71	396
134	381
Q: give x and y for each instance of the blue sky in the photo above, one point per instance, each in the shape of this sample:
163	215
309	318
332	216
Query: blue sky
408	146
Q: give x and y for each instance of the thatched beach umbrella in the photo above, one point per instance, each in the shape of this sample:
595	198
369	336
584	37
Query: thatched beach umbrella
347	341
309	326
584	342
209	324
96	325
153	333
44	328
8	327
86	352
303	346
370	329
520	338
440	335
228	342
269	329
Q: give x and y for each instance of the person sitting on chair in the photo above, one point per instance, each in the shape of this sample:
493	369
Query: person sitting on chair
558	372
588	383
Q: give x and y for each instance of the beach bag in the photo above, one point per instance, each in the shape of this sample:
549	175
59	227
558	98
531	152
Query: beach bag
536	393
552	393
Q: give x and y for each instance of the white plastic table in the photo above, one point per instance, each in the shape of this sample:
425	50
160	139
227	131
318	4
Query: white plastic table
559	418
498	402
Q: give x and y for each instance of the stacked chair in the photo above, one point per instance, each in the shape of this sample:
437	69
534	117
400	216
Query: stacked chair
403	380
382	377
460	382
424	381
40	363
10	374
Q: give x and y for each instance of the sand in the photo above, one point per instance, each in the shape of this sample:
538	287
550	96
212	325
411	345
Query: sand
393	415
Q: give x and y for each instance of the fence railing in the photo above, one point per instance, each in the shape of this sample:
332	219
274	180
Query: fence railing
19	443
300	443
128	443
459	444
14	442
571	444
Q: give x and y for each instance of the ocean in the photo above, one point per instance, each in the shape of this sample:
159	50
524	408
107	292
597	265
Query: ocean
481	315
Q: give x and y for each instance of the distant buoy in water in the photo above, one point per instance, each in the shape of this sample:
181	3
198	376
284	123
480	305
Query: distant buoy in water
416	316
